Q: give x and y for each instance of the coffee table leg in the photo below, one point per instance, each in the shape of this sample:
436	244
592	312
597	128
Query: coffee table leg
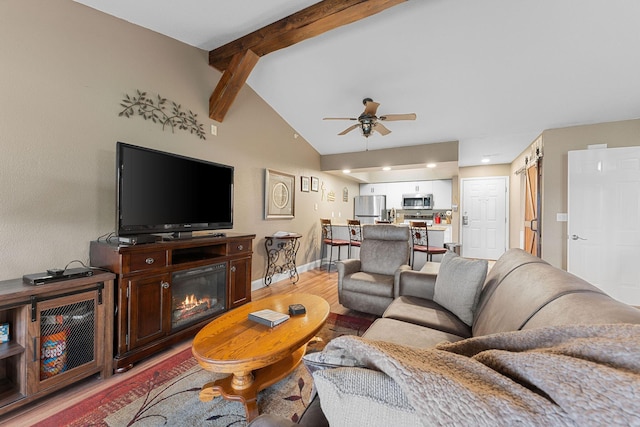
244	386
207	394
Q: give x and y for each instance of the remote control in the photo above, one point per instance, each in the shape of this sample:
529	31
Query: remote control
295	309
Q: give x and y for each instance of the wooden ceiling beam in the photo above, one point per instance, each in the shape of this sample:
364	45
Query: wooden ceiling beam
232	80
237	58
307	23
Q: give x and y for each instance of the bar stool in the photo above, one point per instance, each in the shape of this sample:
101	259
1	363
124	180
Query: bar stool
355	233
330	242
420	241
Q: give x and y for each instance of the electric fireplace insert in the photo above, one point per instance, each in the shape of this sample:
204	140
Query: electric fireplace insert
197	293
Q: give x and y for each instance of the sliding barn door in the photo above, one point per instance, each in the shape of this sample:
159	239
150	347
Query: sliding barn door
532	205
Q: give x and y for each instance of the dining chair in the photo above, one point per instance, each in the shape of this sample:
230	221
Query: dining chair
420	241
329	242
355	233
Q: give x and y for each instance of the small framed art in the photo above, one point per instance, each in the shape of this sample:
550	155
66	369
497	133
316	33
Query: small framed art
315	183
304	184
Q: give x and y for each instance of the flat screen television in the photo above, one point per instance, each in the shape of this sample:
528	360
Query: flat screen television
160	192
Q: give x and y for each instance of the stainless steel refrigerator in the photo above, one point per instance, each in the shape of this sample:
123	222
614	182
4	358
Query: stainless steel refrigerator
369	208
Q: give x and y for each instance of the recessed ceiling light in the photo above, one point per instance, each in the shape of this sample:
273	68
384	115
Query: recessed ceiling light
485	160
346	171
386	168
431	165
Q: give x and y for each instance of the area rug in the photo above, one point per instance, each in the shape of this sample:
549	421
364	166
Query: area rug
166	394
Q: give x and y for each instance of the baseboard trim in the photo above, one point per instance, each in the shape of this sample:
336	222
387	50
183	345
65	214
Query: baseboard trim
259	283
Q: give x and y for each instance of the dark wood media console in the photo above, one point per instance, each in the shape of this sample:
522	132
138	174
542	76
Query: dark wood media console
148	304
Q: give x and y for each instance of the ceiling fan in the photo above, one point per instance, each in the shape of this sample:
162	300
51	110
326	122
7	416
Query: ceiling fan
369	122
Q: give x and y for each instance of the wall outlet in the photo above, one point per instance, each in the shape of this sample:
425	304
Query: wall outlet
562	217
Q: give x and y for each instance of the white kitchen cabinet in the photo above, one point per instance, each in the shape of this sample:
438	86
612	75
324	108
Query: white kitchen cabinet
424	187
379	189
395	190
442	194
441	190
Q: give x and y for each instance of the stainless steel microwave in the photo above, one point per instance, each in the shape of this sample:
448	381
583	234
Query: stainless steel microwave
417	201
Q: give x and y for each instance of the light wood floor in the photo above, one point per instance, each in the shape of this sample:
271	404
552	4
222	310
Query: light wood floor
316	282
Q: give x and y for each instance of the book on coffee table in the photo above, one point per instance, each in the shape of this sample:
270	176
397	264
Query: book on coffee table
268	317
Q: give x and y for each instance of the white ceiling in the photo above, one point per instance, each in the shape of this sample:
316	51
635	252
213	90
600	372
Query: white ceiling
492	74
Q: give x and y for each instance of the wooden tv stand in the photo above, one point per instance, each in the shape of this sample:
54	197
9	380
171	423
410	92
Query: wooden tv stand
143	289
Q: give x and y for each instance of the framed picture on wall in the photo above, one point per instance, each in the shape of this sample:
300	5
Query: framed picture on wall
315	183
304	184
279	195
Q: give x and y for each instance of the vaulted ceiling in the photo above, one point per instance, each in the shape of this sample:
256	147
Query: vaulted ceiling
491	74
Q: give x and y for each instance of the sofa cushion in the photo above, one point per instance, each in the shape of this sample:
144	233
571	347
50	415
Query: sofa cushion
403	333
458	285
363	397
524	292
424	312
369	283
510	261
580	308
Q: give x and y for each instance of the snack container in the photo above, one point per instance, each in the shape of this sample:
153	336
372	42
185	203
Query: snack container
4	332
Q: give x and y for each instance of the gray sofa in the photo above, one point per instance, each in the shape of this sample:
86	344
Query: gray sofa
520	293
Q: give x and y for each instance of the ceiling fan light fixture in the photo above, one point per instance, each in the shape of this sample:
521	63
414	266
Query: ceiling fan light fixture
368	121
366	127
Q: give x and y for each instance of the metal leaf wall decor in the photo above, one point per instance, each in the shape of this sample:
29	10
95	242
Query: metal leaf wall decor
162	111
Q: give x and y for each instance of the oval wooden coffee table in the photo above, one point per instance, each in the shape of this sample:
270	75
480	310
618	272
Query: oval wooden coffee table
256	355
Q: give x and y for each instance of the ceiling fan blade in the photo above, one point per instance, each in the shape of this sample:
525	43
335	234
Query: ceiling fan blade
349	129
370	108
339	118
393	117
379	127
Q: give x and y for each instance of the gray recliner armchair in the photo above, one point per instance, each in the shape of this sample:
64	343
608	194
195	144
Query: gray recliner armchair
367	284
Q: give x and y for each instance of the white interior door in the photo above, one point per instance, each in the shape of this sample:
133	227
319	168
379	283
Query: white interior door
484	217
604	220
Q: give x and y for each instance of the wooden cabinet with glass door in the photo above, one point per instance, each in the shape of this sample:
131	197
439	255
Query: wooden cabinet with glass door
59	333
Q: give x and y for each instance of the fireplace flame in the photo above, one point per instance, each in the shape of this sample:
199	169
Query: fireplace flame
190	301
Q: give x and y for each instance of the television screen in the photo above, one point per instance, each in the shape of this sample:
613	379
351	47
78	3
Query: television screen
160	192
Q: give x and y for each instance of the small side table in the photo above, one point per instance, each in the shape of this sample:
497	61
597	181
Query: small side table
281	256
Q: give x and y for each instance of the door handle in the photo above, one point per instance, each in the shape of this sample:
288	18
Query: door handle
576	237
531	224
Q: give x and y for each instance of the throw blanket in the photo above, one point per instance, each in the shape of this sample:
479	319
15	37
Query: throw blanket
582	375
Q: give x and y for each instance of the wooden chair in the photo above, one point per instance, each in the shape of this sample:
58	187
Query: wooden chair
420	241
355	233
329	242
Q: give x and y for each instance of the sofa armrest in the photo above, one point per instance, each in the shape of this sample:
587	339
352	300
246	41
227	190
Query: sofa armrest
396	275
416	284
345	268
